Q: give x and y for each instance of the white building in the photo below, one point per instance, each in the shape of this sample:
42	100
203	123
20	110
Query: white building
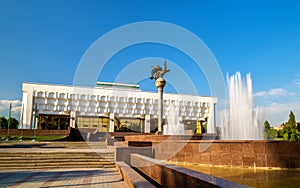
109	107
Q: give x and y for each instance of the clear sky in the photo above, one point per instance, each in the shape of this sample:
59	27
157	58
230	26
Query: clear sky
44	41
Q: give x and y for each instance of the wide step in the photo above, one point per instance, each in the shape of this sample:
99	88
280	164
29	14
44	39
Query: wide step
49	156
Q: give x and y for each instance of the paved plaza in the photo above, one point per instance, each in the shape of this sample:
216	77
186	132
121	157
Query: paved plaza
89	177
47	164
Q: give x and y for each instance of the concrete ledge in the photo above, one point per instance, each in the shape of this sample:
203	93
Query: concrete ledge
123	153
132	178
168	175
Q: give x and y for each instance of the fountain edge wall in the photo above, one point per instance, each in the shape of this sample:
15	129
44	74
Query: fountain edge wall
240	153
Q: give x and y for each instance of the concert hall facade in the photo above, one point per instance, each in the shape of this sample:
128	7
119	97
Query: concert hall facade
110	107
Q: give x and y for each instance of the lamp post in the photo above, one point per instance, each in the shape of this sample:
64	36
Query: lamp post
158	73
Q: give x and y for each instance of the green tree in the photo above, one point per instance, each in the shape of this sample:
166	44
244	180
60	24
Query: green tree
292	120
280	131
3	122
269	132
289	130
267	125
13	123
204	127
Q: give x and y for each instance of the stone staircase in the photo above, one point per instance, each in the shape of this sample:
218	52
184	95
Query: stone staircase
55	155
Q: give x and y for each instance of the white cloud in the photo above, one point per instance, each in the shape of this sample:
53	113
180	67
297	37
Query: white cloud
277	92
277	113
16	108
287	99
296	82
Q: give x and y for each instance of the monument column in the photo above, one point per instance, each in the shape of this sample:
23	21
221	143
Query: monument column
160	84
158	73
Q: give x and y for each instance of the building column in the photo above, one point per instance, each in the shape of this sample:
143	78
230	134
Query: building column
111	122
27	111
72	119
147	124
211	126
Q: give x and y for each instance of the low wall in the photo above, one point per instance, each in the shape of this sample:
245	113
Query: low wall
263	154
120	136
131	177
30	132
123	153
168	175
160	138
81	134
242	153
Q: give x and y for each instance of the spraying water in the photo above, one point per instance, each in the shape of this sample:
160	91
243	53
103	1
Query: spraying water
173	127
240	121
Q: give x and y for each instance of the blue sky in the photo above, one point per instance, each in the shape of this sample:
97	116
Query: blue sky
44	41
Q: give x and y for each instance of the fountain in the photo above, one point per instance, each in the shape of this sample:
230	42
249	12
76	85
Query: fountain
242	143
240	121
173	127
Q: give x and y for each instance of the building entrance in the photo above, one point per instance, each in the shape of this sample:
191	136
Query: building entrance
53	122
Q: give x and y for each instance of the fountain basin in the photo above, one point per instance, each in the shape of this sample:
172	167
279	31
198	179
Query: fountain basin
241	153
